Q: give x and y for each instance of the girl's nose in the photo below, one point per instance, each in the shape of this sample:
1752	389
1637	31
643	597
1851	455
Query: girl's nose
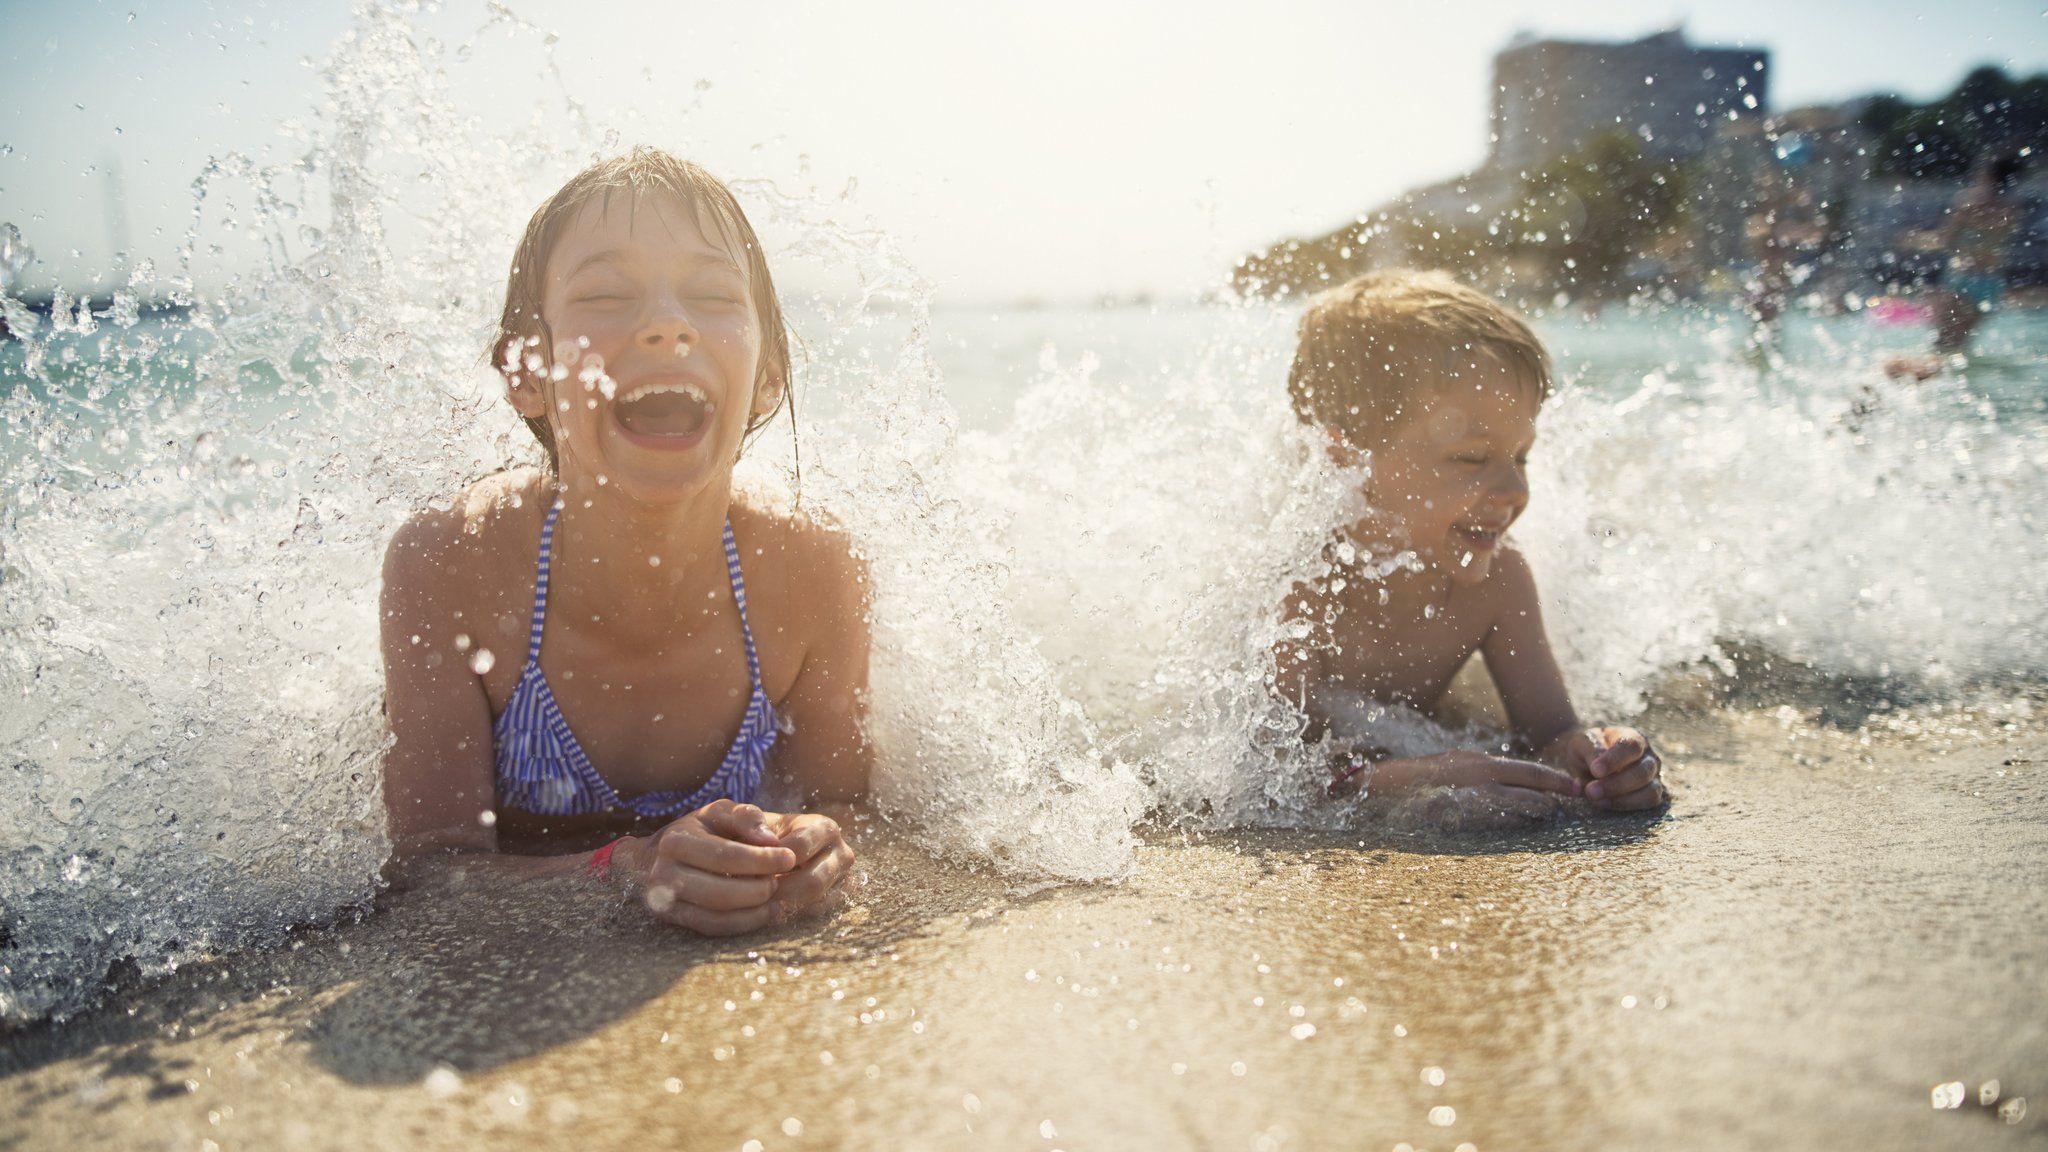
668	323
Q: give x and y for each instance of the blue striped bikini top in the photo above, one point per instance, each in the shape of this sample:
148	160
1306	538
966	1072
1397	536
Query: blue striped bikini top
542	769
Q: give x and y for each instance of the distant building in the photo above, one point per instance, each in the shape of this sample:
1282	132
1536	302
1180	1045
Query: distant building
1552	96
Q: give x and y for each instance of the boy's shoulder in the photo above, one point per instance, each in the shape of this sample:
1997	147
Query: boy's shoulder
1511	585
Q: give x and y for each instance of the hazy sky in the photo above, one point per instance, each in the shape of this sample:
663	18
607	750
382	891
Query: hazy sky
1051	148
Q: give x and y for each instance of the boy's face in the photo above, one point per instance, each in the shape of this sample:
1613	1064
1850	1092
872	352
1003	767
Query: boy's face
1452	475
653	320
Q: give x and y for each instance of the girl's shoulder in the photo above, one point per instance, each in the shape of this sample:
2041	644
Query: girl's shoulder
489	529
793	557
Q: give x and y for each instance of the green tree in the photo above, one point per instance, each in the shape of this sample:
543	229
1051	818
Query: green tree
1595	211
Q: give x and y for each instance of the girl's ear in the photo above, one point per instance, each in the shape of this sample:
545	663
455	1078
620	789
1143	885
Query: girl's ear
768	393
523	391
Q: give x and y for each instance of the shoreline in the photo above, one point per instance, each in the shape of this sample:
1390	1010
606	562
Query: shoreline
1815	934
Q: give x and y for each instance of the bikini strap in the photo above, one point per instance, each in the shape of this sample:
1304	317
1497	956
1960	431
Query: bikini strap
540	583
739	599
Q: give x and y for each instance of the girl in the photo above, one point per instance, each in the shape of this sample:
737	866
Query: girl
675	644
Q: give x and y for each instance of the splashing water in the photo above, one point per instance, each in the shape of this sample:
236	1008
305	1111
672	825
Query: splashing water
1076	597
196	508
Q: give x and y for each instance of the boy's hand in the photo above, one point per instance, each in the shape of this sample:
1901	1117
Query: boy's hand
1623	773
1521	787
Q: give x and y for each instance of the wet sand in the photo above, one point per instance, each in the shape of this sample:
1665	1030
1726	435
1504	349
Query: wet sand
1828	923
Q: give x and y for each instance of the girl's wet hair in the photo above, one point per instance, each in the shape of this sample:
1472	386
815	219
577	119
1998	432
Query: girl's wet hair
523	338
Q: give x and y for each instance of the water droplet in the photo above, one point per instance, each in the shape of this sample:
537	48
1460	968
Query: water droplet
971	1102
1987	1093
1237	1068
673	1086
487	818
1949	1095
653	561
1179	1069
482	661
1046	1130
791	1126
751	1146
1433	1076
462	641
2014	1110
441	1083
1302	1031
1443	1116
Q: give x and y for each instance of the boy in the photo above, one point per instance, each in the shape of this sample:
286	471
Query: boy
1437	387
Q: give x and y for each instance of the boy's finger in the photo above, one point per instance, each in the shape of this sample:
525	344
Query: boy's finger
1524	802
1541	777
1656	795
1630	780
1626	747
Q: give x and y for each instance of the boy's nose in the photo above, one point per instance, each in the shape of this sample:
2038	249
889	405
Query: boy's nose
1512	483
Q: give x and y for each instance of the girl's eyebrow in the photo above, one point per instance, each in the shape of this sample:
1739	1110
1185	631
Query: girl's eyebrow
717	260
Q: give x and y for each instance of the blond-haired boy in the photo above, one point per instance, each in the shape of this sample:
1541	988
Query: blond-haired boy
1436	388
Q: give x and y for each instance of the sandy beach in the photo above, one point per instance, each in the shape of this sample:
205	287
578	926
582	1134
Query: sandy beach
1830	922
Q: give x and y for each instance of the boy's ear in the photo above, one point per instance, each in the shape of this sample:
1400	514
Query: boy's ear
1341	451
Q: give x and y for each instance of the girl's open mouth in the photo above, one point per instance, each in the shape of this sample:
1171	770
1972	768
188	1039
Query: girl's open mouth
665	415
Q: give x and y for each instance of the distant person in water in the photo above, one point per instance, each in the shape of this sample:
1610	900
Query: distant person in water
1980	225
1439	388
677	644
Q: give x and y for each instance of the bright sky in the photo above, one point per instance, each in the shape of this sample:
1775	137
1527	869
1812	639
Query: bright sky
1057	148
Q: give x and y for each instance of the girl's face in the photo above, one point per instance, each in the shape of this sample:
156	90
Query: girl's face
1453	475
656	365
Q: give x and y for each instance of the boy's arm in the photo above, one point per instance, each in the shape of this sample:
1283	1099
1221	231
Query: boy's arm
1618	765
1518	656
1298	671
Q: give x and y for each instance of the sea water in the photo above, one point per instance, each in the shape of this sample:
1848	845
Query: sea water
1082	524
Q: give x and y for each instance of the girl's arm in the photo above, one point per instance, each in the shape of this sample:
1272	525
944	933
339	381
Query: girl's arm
826	752
438	772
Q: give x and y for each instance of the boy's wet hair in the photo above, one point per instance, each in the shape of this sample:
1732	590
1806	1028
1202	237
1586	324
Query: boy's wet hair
523	331
1370	349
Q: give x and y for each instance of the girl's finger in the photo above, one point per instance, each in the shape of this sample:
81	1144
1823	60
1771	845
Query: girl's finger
812	835
746	823
707	890
703	849
709	922
811	885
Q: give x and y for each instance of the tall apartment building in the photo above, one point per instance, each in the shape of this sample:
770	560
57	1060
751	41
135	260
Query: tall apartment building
1551	96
